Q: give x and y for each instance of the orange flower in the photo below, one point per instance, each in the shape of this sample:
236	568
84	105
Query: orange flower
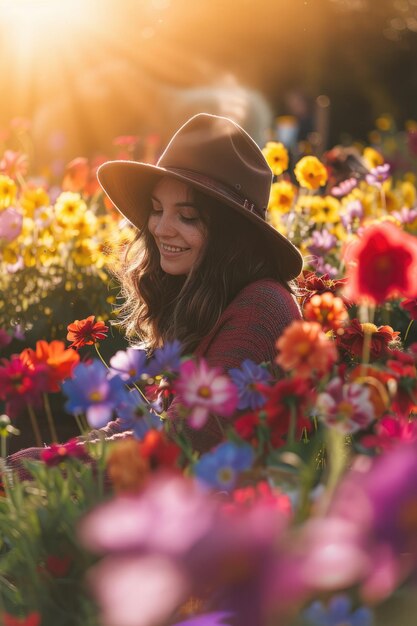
76	175
304	348
326	309
382	264
158	450
126	467
86	332
350	340
60	361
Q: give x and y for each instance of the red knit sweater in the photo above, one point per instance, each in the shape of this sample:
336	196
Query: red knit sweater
247	329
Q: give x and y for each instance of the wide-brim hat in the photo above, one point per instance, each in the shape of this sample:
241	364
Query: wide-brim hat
216	156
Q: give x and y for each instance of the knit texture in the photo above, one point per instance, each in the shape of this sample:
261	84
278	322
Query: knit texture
247	329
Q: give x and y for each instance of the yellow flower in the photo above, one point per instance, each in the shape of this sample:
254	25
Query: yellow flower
411	125
33	199
276	156
282	196
274	217
372	157
384	122
85	253
408	192
8	191
391	201
69	208
325	210
310	172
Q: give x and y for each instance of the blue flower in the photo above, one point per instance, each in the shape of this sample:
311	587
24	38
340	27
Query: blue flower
135	415
129	364
166	360
338	612
220	467
245	380
90	391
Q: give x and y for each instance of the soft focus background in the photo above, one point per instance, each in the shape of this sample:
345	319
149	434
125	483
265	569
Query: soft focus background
86	71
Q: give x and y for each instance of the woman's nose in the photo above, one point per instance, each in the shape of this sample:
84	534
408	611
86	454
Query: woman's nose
165	226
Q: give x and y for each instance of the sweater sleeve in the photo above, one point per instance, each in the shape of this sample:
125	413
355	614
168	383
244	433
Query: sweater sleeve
248	329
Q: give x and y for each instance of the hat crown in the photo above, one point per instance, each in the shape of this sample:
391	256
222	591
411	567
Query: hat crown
220	150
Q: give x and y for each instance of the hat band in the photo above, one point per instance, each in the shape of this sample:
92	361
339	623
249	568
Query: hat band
219	187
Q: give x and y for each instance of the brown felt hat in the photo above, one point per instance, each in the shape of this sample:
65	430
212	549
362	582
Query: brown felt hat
216	156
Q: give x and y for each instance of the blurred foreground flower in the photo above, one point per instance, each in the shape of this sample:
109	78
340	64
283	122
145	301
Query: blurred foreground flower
338	612
304	348
220	468
346	407
382	264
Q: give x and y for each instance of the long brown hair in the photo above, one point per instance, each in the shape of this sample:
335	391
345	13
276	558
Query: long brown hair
158	306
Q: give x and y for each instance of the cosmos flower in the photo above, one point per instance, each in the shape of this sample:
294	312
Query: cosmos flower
86	332
344	187
378	175
166	360
220	468
129	364
11	222
345	407
204	390
246	378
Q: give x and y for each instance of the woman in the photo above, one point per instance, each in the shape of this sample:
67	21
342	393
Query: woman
205	267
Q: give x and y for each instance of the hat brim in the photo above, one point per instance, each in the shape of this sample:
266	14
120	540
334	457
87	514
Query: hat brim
129	184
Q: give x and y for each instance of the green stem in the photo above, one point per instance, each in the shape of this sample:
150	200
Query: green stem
292	425
99	355
79	423
408	330
35	427
49	417
3	449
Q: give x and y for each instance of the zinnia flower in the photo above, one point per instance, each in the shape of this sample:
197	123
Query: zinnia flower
382	264
276	156
304	348
21	384
310	172
346	407
326	309
204	390
58	453
126	467
351	339
86	332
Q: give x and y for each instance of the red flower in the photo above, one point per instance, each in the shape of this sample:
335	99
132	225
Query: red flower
245	426
57	453
158	450
286	396
58	360
382	264
309	284
58	566
411	307
262	494
86	332
21	384
350	339
389	432
405	399
33	619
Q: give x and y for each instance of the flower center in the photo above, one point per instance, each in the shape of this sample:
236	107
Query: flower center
95	396
303	348
204	391
225	475
369	328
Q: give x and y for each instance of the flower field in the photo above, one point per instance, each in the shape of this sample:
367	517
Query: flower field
306	513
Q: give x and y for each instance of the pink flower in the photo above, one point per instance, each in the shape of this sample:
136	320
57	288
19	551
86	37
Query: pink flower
204	390
343	188
11	222
346	407
14	163
58	453
390	432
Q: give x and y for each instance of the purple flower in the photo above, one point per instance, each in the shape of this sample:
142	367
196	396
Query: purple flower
204	390
378	175
320	266
208	619
353	210
338	612
136	415
345	187
323	241
90	391
220	468
246	379
11	222
166	360
406	215
129	364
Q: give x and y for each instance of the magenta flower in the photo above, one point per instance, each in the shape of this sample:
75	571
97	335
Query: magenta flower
21	385
204	390
11	222
5	338
378	175
346	407
208	619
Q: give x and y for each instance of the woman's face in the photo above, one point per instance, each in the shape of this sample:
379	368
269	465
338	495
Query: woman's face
175	224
